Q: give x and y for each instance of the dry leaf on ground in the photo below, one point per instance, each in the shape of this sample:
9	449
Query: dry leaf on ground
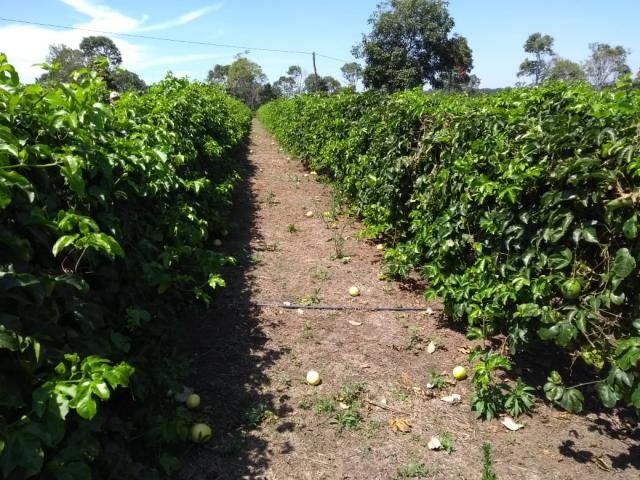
434	444
453	398
431	347
400	425
354	323
511	424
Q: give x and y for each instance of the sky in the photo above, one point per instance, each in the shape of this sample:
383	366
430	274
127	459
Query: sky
495	29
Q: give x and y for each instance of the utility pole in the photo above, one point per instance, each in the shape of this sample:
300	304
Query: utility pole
315	71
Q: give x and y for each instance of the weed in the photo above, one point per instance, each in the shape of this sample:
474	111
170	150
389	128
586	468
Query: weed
437	380
351	392
487	463
348	419
258	414
413	341
255	259
412	470
307	330
311	299
373	426
520	399
401	394
292	228
306	404
338	245
284	379
320	274
270	198
325	405
447	442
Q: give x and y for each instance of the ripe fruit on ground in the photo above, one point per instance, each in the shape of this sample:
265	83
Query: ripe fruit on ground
380	247
200	433
193	400
313	377
309	214
354	291
459	373
217	242
571	289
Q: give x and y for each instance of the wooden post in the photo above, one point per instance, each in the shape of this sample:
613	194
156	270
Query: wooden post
315	71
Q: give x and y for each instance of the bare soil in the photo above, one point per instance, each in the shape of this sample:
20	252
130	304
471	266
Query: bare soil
250	361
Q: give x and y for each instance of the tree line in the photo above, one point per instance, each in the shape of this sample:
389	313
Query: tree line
411	45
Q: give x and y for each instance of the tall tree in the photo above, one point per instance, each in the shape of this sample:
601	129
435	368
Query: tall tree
286	85
562	69
458	57
541	46
606	64
245	81
219	74
65	61
123	80
316	83
352	73
100	46
295	72
409	45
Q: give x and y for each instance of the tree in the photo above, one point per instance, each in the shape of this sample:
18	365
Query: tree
352	73
562	69
606	64
541	46
125	81
65	61
219	74
332	84
409	46
286	85
269	92
315	83
458	57
94	47
295	72
245	80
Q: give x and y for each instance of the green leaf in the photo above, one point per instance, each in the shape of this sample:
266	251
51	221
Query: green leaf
63	242
169	463
627	353
589	235
101	390
119	375
23	450
623	265
8	340
607	394
630	227
216	280
86	405
9	178
572	400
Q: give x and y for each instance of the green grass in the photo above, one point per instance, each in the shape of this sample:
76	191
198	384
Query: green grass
412	470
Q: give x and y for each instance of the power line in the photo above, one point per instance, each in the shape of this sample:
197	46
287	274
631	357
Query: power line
165	39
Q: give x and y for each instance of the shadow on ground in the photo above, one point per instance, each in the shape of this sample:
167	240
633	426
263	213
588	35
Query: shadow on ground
229	355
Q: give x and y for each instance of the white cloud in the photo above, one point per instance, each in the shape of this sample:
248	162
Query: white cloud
181	20
26	45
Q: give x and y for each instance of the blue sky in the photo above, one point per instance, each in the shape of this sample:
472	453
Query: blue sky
495	29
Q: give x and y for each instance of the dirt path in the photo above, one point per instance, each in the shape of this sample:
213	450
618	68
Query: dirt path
251	361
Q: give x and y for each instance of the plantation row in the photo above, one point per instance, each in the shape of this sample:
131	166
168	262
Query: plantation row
521	210
107	216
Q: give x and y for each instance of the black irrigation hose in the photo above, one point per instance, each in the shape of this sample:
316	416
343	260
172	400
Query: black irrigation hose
296	306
